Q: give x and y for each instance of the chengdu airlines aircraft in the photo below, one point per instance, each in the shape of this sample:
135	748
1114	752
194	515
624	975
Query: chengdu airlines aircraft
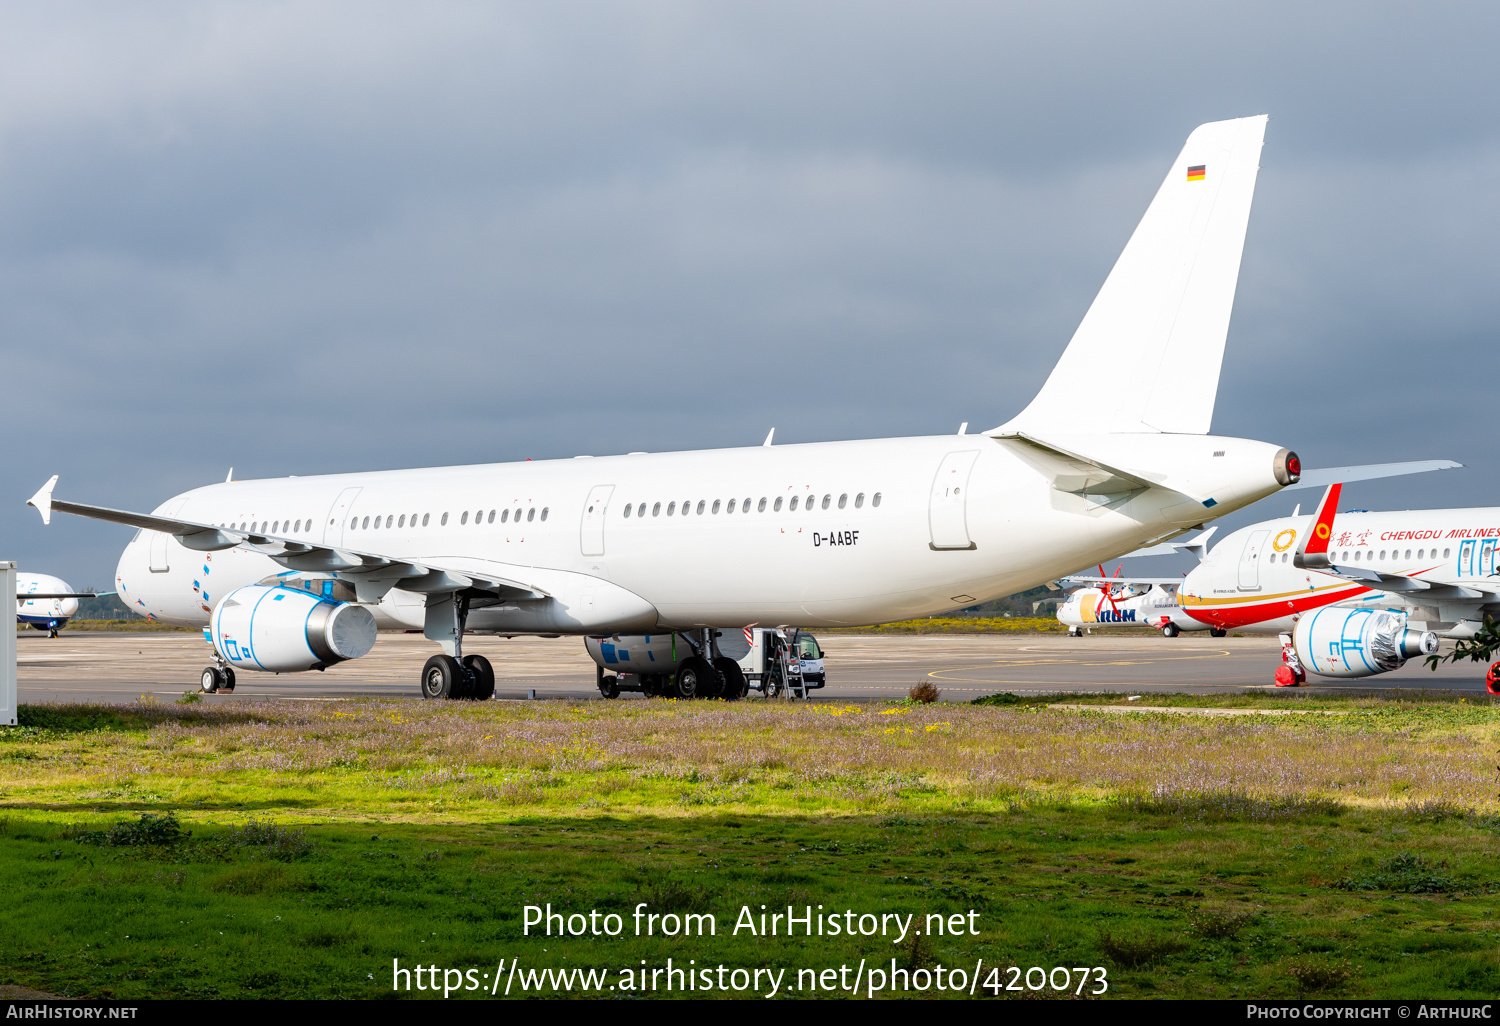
46	603
297	573
1360	592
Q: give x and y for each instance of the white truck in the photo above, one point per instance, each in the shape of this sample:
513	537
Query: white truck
772	661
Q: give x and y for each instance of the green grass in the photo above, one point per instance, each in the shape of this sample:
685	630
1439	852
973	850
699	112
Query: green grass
1260	856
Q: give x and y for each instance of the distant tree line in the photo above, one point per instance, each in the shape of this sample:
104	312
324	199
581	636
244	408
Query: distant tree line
105	607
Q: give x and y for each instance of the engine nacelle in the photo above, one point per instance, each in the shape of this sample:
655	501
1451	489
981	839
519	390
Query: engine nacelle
641	653
1335	642
283	630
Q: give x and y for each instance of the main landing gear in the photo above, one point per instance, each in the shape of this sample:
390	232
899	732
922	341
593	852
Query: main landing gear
469	677
453	674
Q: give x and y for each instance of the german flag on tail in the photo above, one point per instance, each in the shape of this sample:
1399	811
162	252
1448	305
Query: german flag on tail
1196	172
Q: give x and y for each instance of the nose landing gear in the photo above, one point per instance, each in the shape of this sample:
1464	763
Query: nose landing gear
218	679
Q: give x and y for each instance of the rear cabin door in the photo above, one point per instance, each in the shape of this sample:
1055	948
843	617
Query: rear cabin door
591	534
946	513
1250	561
338	517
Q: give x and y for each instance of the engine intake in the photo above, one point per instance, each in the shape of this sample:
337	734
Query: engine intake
284	630
1335	642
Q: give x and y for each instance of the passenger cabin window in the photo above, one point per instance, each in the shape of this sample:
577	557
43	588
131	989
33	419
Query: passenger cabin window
761	508
745	505
826	500
671	508
700	507
843	500
628	508
776	507
504	516
730	507
464	519
716	506
640	511
875	500
365	524
1445	553
792	506
444	521
656	510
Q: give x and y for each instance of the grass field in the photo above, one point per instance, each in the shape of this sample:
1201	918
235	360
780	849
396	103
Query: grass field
1348	855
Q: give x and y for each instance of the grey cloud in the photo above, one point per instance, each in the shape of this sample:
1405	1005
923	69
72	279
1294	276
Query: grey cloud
304	238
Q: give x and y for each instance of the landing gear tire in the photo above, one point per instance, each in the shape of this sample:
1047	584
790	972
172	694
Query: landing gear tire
692	675
481	678
735	684
1075	632
609	686
441	677
228	685
1217	632
1170	630
212	680
52	633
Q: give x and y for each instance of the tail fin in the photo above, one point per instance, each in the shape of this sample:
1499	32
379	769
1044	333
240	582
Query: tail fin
1151	345
1313	552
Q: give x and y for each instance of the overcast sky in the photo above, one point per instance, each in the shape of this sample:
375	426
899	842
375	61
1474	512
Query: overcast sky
307	238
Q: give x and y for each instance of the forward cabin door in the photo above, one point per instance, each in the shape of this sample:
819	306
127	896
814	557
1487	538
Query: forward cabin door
591	535
946	509
338	517
1250	561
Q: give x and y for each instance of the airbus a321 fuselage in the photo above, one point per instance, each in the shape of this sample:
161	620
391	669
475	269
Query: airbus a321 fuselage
810	535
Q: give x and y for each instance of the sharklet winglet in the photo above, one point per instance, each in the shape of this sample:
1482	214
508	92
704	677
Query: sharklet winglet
42	500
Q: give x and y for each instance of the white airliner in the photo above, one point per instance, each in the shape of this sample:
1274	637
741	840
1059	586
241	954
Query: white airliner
1137	602
46	603
810	535
1360	592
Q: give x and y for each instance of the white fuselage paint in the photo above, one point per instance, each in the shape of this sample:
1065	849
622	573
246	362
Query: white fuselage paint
1249	577
843	564
44	612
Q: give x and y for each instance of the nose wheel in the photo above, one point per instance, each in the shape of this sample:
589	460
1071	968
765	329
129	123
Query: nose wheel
217	681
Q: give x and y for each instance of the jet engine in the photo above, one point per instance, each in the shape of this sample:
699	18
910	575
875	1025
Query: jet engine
283	630
1337	642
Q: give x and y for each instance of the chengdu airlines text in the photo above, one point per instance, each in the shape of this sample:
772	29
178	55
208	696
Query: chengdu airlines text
869	977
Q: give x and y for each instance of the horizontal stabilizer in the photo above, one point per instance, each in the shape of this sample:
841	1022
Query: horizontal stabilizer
1323	476
1195	546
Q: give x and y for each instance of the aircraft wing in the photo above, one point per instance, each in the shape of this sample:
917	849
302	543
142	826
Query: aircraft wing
1323	476
1414	588
372	573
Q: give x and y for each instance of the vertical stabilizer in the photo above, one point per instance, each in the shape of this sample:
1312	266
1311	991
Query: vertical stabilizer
1148	353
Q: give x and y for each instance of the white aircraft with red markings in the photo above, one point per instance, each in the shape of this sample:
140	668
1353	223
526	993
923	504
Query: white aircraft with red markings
1361	592
297	573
